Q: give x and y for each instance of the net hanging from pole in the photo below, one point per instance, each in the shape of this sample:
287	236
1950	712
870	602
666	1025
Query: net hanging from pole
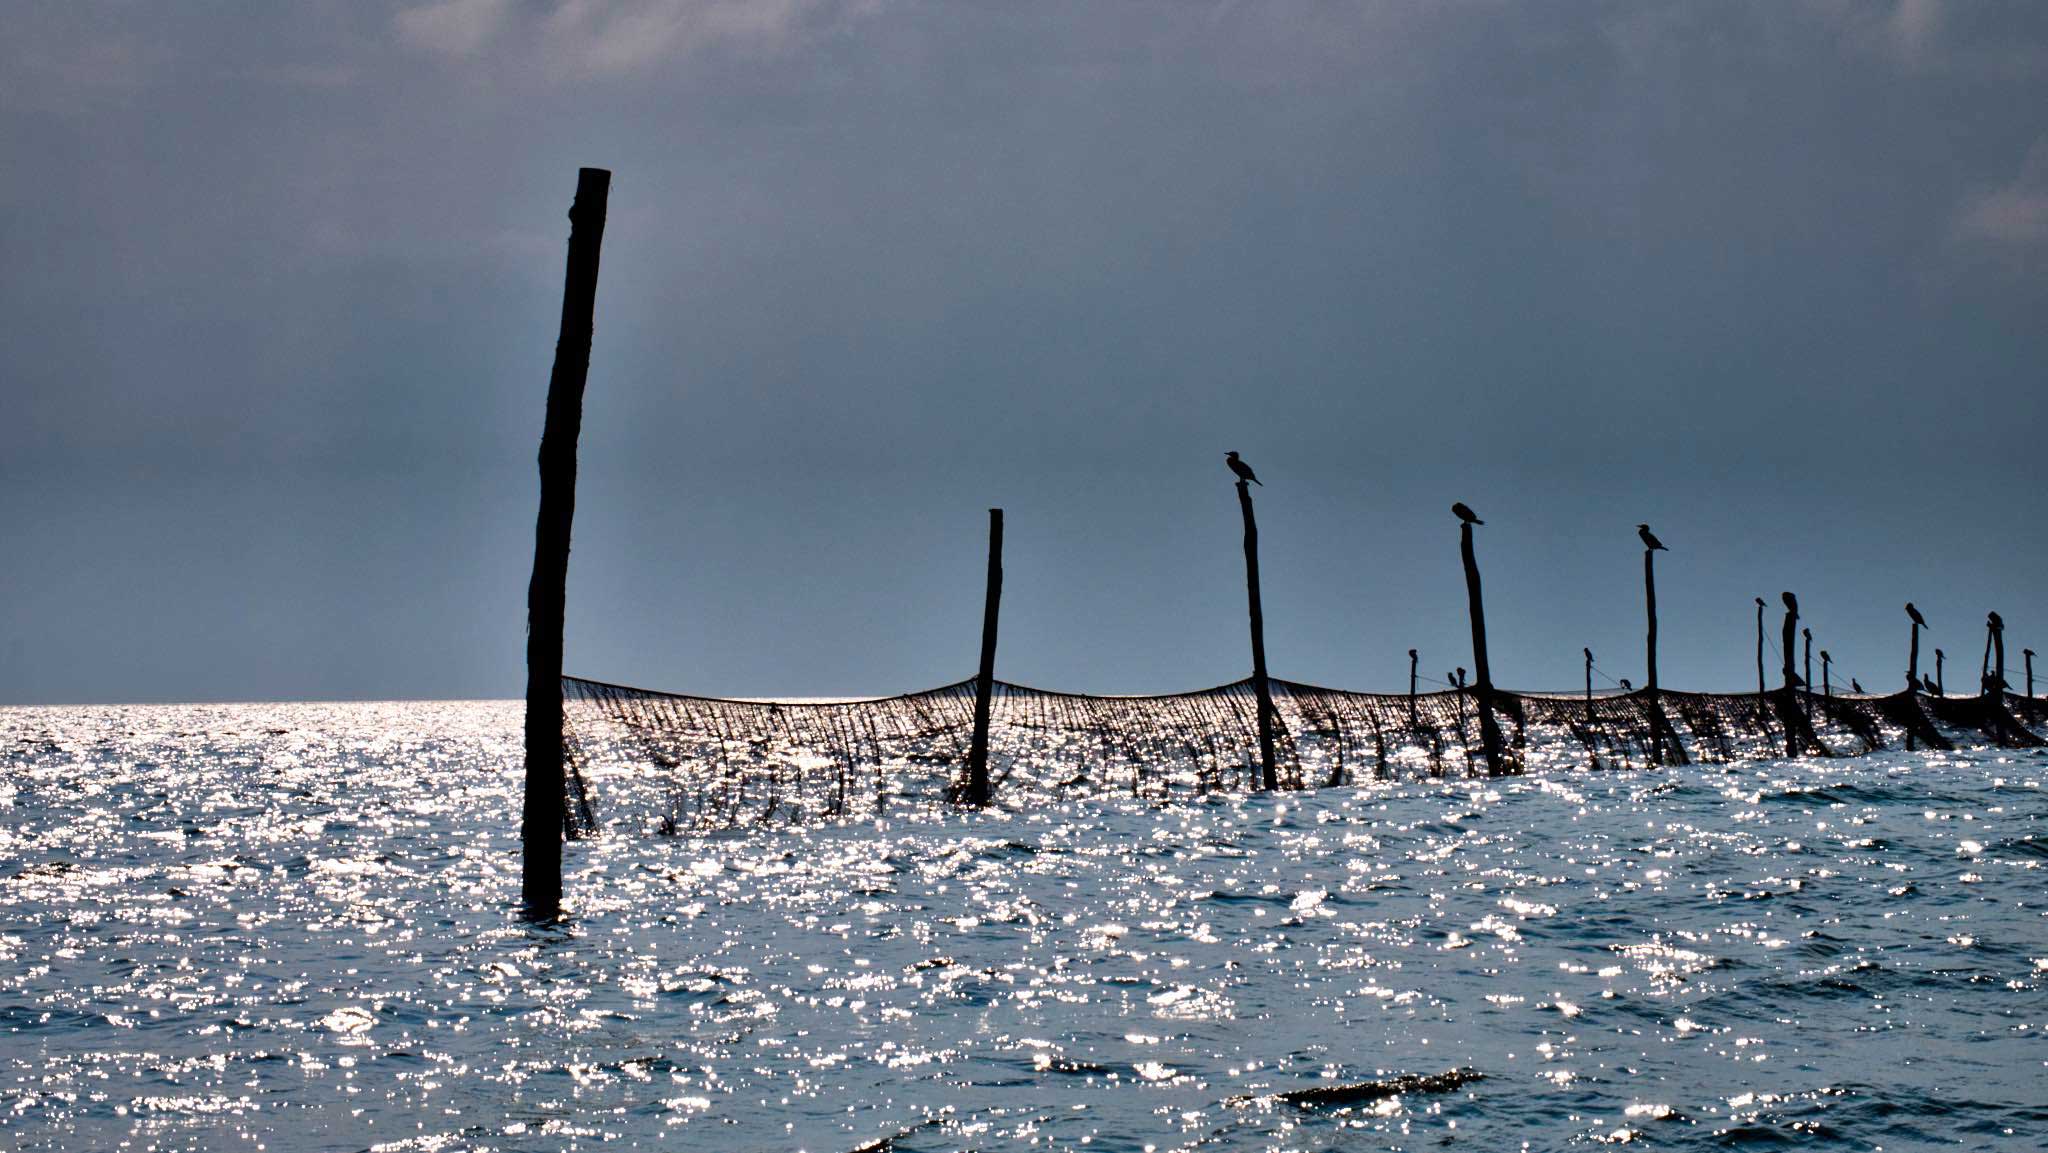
672	762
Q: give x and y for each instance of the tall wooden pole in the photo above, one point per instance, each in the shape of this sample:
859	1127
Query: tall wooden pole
1650	606
1940	681
1489	729
985	678
2028	654
546	594
1827	686
1589	680
1268	778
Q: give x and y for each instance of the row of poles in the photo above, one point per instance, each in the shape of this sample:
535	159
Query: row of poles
544	806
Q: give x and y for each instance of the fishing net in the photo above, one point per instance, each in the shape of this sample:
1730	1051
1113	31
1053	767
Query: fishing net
672	762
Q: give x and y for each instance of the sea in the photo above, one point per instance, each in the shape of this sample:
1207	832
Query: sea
295	927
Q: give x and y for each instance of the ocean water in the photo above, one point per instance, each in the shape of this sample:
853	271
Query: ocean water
292	927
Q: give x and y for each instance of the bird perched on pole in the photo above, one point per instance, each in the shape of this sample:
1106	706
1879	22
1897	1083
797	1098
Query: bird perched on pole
1465	514
1243	470
1915	614
1650	540
1855	686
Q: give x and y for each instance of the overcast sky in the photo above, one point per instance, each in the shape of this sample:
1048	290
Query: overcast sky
280	286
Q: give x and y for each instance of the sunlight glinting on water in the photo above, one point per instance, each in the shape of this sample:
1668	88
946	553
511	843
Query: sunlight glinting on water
292	927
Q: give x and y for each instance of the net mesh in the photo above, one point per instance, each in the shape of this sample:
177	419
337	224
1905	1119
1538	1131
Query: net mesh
673	762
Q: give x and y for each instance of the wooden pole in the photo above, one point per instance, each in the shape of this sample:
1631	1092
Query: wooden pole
2028	654
985	678
1940	681
1489	729
1788	636
1913	661
1827	686
1412	689
1268	778
1806	669
1760	688
1994	681
1789	632
547	593
1650	606
1589	680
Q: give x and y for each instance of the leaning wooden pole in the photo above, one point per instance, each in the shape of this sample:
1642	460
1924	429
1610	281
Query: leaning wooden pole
1261	687
1489	728
985	678
545	813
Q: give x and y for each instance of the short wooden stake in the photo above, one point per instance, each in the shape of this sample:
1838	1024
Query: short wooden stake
545	811
985	678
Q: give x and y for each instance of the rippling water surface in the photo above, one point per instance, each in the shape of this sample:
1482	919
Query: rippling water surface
289	927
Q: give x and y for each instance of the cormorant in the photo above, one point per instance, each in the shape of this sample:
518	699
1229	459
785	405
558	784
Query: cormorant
1791	602
1243	470
1855	686
1915	614
1465	514
1650	540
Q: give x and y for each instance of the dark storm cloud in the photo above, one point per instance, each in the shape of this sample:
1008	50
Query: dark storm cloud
281	284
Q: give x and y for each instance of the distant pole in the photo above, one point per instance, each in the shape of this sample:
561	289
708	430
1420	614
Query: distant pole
1827	687
1806	670
1411	688
1788	634
1589	676
1913	654
1489	729
1994	681
1263	690
1650	606
2028	654
1760	689
1940	682
544	813
985	678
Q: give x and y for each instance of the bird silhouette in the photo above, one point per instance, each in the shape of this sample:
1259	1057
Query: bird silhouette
1465	514
1650	540
1243	470
1626	687
1927	682
1791	603
1995	622
1915	614
1855	686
